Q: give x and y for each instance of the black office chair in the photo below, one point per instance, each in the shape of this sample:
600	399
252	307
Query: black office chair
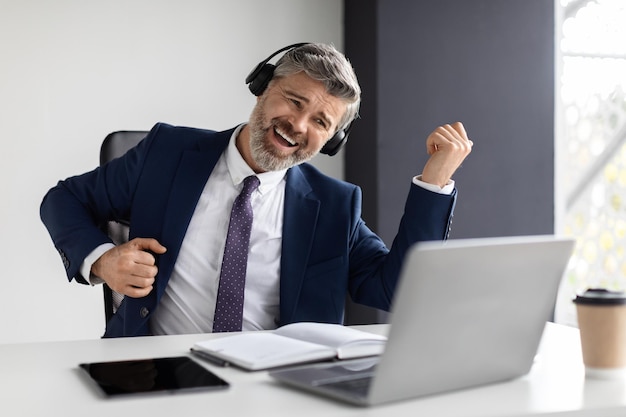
115	145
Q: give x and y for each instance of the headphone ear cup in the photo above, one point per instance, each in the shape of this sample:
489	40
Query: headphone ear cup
260	78
335	143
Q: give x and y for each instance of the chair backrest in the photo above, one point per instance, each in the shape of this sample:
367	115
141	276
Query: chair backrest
115	145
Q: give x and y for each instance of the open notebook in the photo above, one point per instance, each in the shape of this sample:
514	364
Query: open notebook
294	343
467	313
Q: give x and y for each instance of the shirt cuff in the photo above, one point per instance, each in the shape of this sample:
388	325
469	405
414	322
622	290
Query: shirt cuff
85	267
446	189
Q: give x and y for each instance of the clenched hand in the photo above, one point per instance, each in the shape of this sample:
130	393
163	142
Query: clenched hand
447	145
129	268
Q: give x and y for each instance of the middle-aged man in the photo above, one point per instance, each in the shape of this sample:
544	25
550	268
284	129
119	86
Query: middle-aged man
187	267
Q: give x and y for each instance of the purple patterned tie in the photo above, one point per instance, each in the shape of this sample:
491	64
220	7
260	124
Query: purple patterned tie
229	305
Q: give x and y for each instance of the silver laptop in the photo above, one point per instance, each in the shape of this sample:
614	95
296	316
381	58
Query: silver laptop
467	312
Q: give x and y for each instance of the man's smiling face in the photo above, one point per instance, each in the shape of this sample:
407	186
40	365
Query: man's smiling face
290	123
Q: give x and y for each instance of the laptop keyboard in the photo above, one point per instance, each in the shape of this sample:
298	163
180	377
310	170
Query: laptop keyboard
359	386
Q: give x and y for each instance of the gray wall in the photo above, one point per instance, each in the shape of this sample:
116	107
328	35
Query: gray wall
487	63
72	71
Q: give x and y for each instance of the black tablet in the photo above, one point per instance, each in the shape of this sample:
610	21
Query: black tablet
157	375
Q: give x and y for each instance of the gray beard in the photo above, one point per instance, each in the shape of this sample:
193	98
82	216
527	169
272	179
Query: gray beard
264	155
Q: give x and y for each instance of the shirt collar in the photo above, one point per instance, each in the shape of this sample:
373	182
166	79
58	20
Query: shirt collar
238	169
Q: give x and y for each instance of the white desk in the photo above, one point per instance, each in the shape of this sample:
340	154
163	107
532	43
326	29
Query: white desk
42	379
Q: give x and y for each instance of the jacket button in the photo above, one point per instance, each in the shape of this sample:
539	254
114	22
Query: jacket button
144	312
66	262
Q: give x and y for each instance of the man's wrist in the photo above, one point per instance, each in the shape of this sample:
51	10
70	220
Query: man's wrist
94	255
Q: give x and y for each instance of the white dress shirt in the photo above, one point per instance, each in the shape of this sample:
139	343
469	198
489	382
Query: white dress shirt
188	304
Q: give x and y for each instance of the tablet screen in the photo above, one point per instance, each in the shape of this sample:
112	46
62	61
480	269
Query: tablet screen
169	375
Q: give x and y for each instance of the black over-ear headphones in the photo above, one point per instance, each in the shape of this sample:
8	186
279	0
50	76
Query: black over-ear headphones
260	77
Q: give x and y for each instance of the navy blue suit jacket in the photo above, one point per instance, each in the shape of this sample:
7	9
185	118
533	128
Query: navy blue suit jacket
327	250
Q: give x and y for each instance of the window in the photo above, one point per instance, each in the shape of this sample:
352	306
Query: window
591	145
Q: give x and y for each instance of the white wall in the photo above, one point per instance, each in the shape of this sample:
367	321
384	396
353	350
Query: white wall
72	71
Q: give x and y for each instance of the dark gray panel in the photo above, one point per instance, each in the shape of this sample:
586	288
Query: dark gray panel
361	165
490	64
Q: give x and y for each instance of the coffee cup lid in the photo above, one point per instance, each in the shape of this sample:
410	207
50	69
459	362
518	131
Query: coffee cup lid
601	296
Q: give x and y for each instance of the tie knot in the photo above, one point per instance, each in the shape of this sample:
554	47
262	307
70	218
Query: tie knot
250	184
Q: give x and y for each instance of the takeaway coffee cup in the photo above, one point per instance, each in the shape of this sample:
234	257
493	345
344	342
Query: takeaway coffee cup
602	324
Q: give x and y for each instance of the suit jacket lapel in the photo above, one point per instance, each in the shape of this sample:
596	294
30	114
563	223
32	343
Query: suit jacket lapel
300	220
193	172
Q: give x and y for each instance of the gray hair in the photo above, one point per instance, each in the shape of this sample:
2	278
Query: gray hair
325	64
